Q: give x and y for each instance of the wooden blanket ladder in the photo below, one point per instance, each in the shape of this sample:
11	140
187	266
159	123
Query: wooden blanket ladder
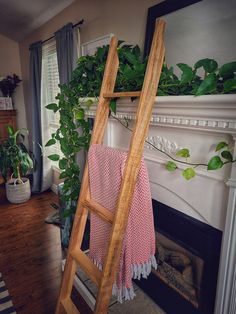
76	257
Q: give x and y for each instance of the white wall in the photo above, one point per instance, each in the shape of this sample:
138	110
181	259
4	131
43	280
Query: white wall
206	29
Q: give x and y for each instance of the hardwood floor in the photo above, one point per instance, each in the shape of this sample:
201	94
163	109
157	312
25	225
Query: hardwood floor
30	254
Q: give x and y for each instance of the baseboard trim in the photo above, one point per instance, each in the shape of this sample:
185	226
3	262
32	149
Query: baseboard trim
54	188
82	289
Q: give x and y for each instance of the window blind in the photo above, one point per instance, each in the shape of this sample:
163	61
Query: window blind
50	89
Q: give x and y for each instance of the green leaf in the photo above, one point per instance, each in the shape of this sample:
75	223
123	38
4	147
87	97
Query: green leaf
24	167
63	131
65	198
57	135
113	105
171	166
128	72
215	163
184	152
30	162
130	57
208	85
136	51
53	107
62	163
227	155
187	73
188	173
63	175
54	157
75	169
221	145
66	148
10	130
89	65
101	52
51	142
88	103
209	65
79	114
67	213
230	85
227	70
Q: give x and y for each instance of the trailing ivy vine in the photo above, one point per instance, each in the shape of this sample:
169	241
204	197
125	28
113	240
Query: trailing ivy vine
223	157
74	132
73	136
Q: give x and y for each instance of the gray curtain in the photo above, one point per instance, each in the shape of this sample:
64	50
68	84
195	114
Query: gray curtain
65	52
35	89
67	41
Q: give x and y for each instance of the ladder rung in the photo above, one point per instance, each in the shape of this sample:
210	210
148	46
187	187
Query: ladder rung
87	265
121	94
98	209
69	306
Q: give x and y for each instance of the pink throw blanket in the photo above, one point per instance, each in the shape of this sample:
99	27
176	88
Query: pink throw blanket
106	167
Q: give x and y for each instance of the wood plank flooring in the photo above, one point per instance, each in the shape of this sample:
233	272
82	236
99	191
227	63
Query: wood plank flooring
30	254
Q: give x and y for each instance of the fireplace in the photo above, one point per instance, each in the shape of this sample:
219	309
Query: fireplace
179	269
187	253
206	202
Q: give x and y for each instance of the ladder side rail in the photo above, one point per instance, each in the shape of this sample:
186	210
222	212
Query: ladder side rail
108	85
144	112
81	214
69	306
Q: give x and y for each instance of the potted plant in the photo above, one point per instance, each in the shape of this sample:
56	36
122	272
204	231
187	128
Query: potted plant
8	85
15	163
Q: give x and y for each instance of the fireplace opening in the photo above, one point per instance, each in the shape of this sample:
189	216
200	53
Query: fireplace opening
179	269
187	253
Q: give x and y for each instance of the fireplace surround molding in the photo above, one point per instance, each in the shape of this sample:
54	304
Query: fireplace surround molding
197	123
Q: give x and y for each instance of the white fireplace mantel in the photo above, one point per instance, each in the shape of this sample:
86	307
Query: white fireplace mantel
197	123
209	113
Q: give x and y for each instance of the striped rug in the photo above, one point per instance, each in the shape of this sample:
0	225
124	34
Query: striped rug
6	306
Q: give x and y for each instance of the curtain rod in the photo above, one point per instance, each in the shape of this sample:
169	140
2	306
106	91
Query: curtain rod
77	24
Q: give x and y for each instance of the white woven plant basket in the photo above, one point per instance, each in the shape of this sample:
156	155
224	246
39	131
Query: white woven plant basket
18	193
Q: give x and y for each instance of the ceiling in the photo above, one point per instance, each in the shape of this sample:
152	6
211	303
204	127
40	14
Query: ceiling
18	18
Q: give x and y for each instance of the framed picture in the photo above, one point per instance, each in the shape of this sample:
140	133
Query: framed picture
90	47
158	10
6	103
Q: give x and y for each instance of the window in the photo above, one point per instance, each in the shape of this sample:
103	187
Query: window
50	89
90	47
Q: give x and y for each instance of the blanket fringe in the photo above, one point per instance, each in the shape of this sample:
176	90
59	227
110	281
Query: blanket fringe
144	269
138	271
123	293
